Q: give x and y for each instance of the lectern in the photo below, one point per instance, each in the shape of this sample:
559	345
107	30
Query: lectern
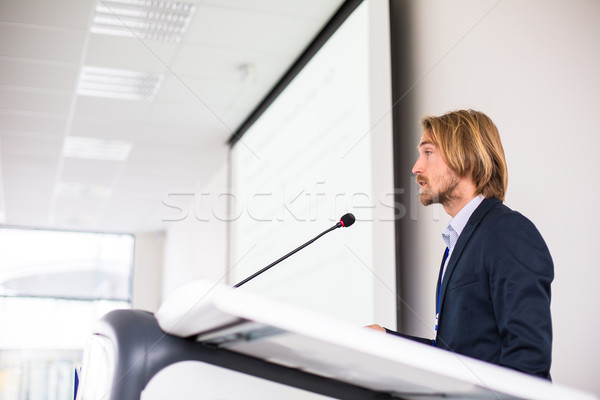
209	341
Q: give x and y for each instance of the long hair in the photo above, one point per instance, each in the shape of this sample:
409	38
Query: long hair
470	144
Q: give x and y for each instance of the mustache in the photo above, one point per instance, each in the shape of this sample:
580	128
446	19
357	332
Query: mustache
421	179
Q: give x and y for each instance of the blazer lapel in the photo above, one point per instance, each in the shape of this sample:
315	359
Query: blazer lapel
485	206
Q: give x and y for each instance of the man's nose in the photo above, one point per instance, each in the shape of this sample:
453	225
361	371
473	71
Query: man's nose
418	167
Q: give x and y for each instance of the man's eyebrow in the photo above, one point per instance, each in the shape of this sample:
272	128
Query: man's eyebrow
425	143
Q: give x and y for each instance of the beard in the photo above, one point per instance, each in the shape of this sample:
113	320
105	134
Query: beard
444	196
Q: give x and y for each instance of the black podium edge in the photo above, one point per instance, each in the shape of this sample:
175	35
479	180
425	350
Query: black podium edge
143	349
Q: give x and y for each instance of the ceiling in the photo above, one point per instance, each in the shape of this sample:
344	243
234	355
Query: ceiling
229	57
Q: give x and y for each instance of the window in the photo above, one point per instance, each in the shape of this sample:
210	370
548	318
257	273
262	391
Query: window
54	285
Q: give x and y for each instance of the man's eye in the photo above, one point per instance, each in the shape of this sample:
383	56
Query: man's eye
428	152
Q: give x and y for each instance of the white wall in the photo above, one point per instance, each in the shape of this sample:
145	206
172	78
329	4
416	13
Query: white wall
532	66
147	271
380	88
196	244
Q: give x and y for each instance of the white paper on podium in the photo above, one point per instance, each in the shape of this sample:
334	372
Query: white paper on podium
282	334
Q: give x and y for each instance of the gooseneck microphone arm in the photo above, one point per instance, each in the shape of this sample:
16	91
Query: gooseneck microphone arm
345	221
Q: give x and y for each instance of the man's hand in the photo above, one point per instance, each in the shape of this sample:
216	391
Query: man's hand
376	327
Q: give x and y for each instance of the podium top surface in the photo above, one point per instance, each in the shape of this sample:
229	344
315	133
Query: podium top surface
282	334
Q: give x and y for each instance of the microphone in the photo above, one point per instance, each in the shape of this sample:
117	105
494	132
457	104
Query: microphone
345	221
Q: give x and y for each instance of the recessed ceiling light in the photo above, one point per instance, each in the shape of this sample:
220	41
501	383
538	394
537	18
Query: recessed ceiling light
147	19
97	149
118	83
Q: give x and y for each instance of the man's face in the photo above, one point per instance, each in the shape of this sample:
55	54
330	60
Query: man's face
438	182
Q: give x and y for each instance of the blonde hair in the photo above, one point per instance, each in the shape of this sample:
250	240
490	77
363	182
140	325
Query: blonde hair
470	144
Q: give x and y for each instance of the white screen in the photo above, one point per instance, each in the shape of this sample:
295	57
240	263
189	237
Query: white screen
293	176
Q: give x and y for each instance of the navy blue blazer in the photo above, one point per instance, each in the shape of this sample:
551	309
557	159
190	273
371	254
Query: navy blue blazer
495	297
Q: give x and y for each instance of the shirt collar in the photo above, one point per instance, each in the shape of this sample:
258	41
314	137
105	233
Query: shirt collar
458	223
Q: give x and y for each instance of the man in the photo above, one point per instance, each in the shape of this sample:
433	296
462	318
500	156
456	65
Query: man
493	292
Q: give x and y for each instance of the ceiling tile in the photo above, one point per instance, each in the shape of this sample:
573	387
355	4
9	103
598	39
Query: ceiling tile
70	217
317	9
190	90
43	125
27	201
39	43
248	97
80	213
68	205
31	100
96	172
199	116
32	215
28	190
38	75
186	137
32	175
74	14
169	167
226	64
22	157
159	154
102	109
249	30
104	129
33	145
129	53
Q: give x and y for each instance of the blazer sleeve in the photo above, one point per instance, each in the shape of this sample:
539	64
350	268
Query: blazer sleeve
520	272
415	338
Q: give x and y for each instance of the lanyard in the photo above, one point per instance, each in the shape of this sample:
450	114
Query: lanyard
437	304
